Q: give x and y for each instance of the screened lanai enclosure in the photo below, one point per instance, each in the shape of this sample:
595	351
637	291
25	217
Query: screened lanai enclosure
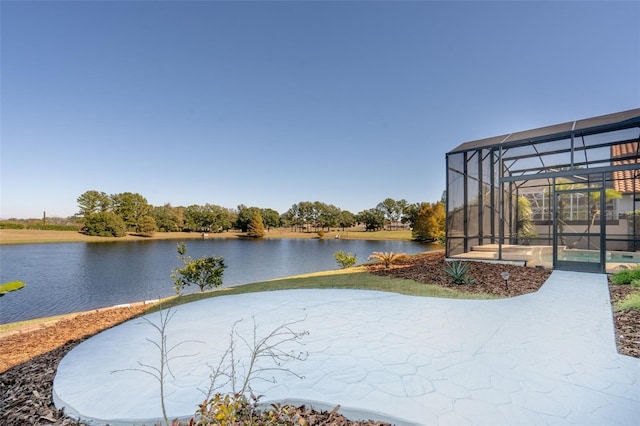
565	196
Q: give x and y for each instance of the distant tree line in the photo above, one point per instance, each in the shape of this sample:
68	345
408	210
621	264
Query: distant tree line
118	214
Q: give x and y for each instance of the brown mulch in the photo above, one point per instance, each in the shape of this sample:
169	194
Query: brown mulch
429	267
28	360
627	324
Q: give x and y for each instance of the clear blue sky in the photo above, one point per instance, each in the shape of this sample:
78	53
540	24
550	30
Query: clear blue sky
271	103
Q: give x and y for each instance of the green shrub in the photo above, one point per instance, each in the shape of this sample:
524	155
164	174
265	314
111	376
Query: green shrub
626	276
53	227
105	224
225	410
635	283
11	225
457	270
232	410
205	272
344	259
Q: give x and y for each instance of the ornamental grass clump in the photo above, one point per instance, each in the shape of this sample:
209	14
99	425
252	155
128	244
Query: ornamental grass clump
458	270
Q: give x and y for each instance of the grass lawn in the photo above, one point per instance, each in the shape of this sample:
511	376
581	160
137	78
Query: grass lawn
352	278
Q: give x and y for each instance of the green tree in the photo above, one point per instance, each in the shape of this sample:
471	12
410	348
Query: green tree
287	219
245	215
373	219
255	228
224	218
178	211
291	218
308	215
105	224
411	214
131	208
166	218
195	218
271	218
92	202
205	272
389	209
217	218
147	226
346	219
329	216
401	207
311	216
393	211
430	222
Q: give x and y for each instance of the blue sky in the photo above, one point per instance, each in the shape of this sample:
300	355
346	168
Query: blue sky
271	103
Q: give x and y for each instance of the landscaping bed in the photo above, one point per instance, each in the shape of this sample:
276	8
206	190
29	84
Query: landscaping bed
429	268
28	360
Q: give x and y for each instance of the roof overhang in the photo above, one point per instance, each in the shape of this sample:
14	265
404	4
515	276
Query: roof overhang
603	123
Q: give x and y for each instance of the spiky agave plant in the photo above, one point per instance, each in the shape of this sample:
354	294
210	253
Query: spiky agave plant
388	258
457	270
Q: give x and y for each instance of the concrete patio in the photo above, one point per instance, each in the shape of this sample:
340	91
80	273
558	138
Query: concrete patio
543	358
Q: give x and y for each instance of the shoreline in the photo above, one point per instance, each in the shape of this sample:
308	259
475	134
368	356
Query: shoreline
9	237
30	325
28	236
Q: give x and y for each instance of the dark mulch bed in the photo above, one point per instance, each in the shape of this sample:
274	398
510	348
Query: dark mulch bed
429	268
27	388
627	324
29	360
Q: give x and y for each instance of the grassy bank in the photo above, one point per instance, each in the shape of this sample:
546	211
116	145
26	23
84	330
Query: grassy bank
25	236
356	280
353	278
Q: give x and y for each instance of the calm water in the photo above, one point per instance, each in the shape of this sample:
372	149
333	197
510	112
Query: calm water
63	278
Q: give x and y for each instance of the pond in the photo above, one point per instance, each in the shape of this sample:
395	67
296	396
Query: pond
70	277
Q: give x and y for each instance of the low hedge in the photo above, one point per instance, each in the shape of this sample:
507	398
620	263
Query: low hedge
10	225
53	227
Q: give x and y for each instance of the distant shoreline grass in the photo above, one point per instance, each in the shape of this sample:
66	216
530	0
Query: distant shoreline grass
27	236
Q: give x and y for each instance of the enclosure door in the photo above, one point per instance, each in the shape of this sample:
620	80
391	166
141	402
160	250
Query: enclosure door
579	230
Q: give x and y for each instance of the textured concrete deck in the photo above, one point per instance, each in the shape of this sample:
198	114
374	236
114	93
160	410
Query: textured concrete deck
544	358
